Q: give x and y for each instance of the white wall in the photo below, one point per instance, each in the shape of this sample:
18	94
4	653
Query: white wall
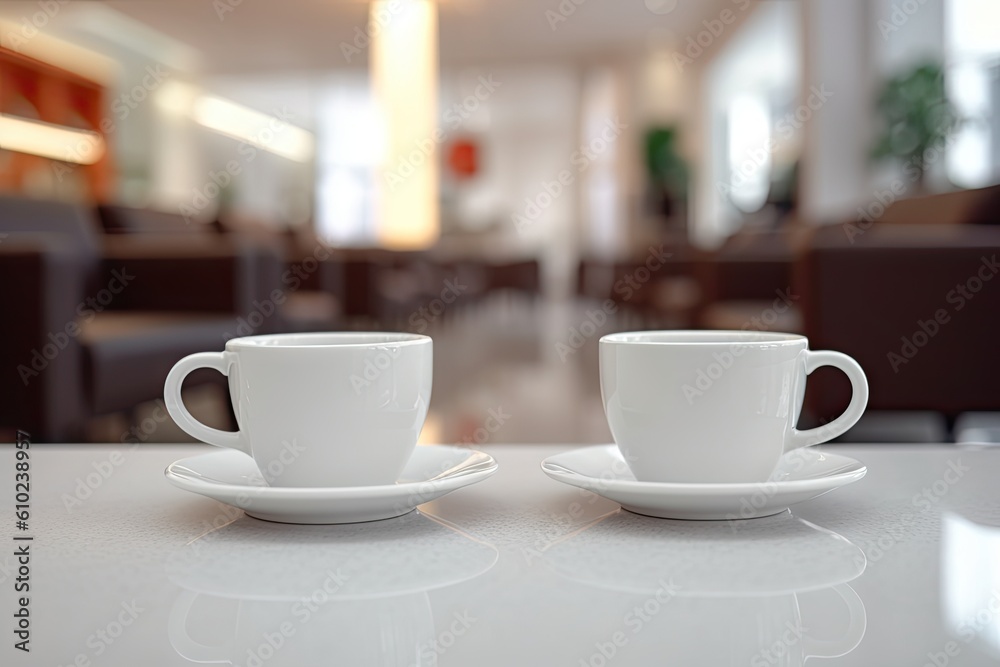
527	133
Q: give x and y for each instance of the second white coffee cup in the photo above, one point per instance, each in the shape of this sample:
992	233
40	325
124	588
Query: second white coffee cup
714	406
318	410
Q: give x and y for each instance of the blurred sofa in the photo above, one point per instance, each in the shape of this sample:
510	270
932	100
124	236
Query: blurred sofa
918	306
97	320
747	283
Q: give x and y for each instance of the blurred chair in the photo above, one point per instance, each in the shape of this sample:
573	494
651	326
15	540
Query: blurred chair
101	319
304	270
657	291
312	275
521	277
918	306
747	283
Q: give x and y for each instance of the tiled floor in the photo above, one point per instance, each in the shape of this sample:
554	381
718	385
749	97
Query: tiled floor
516	358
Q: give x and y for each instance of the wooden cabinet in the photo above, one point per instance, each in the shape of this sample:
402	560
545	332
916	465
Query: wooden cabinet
37	91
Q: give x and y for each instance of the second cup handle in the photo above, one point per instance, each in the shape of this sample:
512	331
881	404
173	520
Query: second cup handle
175	404
834	648
186	647
859	399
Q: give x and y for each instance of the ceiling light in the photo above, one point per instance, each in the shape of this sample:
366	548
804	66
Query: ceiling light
56	142
264	131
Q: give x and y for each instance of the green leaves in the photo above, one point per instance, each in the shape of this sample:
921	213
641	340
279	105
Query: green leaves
916	113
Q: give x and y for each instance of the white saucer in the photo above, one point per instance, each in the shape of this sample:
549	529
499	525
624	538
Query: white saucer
232	477
802	475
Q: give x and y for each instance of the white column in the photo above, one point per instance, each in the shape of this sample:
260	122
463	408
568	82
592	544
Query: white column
835	174
404	76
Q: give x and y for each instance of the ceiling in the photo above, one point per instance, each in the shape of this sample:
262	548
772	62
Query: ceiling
244	36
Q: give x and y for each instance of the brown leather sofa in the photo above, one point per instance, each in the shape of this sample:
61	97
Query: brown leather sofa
918	306
95	322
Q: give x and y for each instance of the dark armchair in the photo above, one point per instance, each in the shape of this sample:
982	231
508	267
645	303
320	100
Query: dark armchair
94	323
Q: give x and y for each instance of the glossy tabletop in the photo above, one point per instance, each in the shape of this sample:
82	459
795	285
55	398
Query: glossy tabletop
900	568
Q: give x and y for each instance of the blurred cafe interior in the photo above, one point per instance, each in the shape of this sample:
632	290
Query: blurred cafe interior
515	179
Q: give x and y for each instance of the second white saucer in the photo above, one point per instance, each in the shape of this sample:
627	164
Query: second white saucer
232	477
803	474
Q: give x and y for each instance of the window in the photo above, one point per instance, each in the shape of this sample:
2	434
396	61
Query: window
973	81
349	148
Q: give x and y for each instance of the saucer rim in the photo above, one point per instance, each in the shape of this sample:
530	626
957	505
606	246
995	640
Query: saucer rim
449	483
856	472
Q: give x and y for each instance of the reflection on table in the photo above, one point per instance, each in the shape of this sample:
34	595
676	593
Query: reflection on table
255	592
718	593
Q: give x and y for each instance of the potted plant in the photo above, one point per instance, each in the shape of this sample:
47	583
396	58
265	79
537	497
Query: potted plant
667	172
916	116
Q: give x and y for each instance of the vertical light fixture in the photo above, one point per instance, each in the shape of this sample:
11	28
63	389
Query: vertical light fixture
404	76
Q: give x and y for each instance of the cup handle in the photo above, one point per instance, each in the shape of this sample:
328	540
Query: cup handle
859	399
186	647
834	648
175	404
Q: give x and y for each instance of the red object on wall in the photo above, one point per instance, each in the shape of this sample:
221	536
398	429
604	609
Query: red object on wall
463	158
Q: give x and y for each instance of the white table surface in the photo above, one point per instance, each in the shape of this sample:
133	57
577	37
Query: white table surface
517	570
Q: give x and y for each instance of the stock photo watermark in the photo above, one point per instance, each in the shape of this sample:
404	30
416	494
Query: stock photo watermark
430	651
635	280
31	24
926	329
567	520
580	161
373	368
381	16
223	7
82	151
635	620
750	506
104	637
219	180
270	642
495	419
626	287
587	329
87	310
967	632
922	502
898	16
883	198
85	485
661	6
713	28
780	647
428	490
292	278
425	149
706	377
427	314
22	542
562	12
786	127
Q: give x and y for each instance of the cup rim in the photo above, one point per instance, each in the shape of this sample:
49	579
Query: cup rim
690	337
328	340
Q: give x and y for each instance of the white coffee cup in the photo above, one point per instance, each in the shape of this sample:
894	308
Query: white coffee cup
714	406
318	410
